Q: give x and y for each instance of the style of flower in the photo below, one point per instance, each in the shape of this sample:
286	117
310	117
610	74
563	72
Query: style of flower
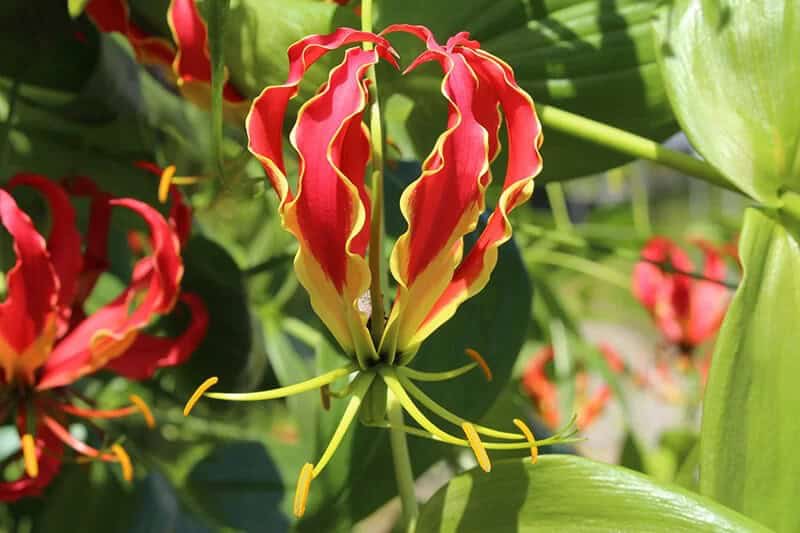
687	310
329	213
187	64
543	392
47	342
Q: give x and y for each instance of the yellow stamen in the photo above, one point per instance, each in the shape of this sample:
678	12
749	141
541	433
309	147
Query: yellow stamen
478	358
303	485
477	446
207	384
149	419
29	455
124	461
325	396
528	435
164	183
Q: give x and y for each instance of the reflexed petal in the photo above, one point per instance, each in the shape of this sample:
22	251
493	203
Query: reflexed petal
63	243
28	315
444	204
192	64
265	120
330	213
110	331
180	213
148	353
95	254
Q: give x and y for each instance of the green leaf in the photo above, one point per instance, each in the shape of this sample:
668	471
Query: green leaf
733	82
581	55
567	493
749	457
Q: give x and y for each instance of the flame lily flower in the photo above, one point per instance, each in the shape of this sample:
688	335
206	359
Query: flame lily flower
46	340
543	392
329	213
686	310
187	64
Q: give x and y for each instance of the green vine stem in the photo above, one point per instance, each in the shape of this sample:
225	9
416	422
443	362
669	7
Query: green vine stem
629	143
402	463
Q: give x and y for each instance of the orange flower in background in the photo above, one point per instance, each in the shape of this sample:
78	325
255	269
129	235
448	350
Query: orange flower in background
47	342
687	310
544	393
187	63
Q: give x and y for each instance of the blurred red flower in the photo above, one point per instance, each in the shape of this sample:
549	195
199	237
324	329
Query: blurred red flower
47	342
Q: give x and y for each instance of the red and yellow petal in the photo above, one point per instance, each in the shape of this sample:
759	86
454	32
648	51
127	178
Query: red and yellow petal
28	316
192	63
330	213
110	331
49	451
63	242
149	353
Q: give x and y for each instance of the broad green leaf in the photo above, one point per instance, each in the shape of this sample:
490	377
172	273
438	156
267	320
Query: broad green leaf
567	493
732	75
749	457
589	57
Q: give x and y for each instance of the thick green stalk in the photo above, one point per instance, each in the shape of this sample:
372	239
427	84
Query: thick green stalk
629	143
558	205
376	263
217	14
402	463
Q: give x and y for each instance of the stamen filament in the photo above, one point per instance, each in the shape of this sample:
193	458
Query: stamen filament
478	358
420	375
437	409
197	394
96	413
140	404
360	386
523	427
282	392
301	492
29	455
124	461
477	447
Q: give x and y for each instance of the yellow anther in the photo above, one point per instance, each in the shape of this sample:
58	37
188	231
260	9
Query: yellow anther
303	485
207	384
164	183
477	446
29	455
140	404
124	461
523	427
325	396
478	358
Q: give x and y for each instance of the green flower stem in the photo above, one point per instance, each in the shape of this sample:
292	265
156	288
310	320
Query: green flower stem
584	266
376	263
402	463
282	392
558	205
629	143
640	204
217	14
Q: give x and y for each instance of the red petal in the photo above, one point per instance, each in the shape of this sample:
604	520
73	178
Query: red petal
265	120
63	243
30	308
112	329
709	301
180	213
540	389
149	353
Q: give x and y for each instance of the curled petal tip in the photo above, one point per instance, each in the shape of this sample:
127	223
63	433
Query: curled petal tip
29	455
207	384
478	358
528	435
477	446
303	486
